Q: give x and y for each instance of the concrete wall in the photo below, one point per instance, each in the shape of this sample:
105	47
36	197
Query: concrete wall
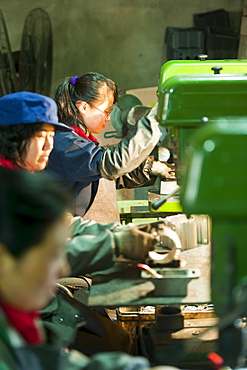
123	39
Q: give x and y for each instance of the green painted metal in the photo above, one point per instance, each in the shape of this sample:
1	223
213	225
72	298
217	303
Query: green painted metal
169	207
228	261
206	116
175	67
216	184
190	100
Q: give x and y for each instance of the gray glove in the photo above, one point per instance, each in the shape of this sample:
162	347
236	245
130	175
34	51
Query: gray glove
162	169
136	113
153	112
134	242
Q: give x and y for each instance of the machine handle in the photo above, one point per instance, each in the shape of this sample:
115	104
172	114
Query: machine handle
216	70
156	205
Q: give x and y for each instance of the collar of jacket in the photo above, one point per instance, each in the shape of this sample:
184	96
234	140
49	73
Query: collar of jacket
25	323
81	133
7	164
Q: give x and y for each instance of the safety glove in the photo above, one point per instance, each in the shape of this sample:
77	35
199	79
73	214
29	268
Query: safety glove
163	170
134	241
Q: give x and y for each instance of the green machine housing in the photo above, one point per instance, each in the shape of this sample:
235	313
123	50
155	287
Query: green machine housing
206	116
215	184
189	101
175	67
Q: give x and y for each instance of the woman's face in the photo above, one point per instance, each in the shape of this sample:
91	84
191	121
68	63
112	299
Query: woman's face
40	148
96	116
28	282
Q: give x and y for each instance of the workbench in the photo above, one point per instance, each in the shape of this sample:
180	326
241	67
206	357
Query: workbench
136	210
122	284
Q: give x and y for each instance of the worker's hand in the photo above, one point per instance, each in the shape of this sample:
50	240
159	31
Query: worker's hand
134	242
153	112
163	169
136	113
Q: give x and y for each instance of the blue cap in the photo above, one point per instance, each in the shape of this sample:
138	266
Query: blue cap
28	107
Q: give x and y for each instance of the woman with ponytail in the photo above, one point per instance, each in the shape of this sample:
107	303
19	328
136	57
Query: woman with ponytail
79	163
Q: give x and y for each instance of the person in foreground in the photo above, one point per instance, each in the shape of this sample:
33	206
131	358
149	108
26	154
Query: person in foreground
33	232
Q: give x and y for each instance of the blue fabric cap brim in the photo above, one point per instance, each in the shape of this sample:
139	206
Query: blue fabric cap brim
27	107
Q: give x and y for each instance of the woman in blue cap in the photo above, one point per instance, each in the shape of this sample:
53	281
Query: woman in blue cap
28	122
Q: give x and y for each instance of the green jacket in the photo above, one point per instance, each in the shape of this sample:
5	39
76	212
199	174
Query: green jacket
91	246
15	354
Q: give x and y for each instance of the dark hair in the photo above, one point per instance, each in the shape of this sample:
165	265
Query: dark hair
15	140
29	205
86	88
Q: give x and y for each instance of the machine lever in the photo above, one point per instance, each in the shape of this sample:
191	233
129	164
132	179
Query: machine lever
216	70
156	205
149	270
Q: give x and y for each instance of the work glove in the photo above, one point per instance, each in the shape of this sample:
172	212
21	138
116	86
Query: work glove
134	241
163	169
136	113
153	112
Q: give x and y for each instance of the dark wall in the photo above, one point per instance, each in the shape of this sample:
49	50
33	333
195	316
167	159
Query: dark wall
123	39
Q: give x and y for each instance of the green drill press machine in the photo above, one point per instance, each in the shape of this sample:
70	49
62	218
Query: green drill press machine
203	104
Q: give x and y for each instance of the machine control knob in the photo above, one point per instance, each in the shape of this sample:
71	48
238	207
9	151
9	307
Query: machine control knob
216	70
202	57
